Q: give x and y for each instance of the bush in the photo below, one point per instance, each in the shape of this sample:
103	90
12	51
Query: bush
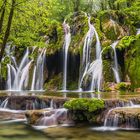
124	86
90	105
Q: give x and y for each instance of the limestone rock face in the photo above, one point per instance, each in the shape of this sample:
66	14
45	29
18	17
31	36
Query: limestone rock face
6	116
49	117
125	117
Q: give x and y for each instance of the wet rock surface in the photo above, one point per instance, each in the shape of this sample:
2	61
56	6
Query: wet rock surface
5	116
49	117
47	110
125	117
32	102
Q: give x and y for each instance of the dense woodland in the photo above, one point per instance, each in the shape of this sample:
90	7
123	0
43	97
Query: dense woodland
28	23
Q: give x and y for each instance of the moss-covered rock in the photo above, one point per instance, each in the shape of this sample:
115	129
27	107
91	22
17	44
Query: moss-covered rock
132	57
107	71
54	83
85	109
123	86
90	105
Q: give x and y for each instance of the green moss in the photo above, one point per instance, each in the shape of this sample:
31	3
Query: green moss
123	87
107	71
54	37
90	105
132	57
126	42
85	109
4	67
55	83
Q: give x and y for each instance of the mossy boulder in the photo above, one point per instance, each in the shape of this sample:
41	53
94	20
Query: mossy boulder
85	109
107	71
111	26
132	57
124	86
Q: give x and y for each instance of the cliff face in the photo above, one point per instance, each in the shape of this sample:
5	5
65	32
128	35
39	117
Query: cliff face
111	26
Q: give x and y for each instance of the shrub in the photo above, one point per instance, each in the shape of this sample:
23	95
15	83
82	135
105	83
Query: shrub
90	105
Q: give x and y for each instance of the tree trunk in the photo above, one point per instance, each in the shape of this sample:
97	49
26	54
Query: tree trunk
7	32
2	11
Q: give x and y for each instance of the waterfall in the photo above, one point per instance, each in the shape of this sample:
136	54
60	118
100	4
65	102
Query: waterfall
54	118
20	78
115	68
9	77
4	103
98	44
115	118
86	53
95	68
38	78
65	52
33	79
18	75
24	77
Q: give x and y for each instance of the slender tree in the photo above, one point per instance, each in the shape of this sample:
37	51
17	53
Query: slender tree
2	11
7	32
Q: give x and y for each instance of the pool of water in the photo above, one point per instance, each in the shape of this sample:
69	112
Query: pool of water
73	94
21	131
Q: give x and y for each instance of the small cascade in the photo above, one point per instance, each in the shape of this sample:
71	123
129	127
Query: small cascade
18	75
54	117
4	104
95	70
96	66
123	117
65	52
38	78
51	104
115	68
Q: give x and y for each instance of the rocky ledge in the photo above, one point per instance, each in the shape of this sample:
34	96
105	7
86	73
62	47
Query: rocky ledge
125	117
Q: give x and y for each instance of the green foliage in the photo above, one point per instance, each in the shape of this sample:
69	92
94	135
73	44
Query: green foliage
132	63
123	86
90	105
107	71
126	42
55	83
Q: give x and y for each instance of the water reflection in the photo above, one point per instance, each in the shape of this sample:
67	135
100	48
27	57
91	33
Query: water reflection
16	131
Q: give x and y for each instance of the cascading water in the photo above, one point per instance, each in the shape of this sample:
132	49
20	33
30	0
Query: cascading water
37	80
18	76
4	104
96	66
65	49
54	117
93	69
86	53
115	68
116	118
